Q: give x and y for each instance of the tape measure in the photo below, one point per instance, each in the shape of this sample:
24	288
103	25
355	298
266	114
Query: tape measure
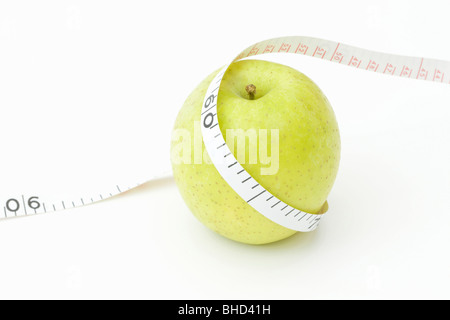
237	177
224	161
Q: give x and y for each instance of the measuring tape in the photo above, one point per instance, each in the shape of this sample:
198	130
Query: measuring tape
229	168
227	165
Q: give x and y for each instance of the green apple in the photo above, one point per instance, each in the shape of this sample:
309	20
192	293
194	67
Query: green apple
256	94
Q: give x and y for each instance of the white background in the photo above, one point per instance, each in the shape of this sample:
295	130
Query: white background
89	91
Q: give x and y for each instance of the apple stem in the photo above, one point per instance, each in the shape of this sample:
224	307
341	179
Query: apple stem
251	90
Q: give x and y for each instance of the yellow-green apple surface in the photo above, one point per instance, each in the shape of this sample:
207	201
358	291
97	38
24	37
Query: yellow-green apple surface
256	94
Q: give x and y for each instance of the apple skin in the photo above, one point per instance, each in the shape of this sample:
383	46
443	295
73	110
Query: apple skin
309	149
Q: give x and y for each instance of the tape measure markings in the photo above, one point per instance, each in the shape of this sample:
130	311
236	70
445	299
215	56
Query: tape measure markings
21	205
231	170
354	57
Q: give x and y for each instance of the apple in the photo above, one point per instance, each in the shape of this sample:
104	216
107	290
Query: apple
261	96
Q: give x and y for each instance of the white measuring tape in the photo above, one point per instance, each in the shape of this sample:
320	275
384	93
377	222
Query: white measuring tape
229	168
235	175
